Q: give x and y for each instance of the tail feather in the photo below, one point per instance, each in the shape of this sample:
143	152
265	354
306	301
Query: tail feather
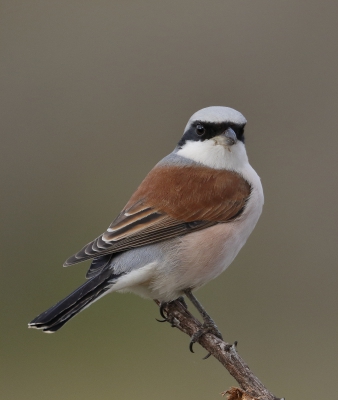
55	317
57	323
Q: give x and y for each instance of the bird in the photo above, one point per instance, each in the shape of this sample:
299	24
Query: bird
182	227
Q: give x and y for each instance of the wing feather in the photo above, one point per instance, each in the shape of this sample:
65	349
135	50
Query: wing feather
170	202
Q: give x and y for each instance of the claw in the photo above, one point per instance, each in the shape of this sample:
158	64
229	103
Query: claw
194	338
192	341
190	346
161	320
162	306
206	328
165	319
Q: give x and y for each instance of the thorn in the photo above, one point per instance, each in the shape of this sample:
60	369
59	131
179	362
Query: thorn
233	348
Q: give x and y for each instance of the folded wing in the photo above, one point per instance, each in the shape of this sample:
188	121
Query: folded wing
170	202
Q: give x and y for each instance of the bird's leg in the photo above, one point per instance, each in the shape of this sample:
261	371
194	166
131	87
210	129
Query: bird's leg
209	325
208	321
182	301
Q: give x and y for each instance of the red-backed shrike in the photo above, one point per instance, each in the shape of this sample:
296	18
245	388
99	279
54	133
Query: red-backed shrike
182	227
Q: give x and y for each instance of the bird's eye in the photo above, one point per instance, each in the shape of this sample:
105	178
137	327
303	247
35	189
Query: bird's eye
200	129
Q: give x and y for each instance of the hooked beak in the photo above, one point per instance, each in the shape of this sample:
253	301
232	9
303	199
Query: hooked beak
230	136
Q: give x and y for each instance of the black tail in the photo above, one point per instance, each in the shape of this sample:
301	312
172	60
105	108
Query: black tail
55	317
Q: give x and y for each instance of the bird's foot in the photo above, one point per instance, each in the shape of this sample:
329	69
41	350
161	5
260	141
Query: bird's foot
164	304
209	326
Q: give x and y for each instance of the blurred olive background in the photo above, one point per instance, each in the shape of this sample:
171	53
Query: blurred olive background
93	94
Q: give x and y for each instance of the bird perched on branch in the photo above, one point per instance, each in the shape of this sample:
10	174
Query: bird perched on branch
182	227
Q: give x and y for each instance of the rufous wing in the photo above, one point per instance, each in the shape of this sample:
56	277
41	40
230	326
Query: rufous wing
170	202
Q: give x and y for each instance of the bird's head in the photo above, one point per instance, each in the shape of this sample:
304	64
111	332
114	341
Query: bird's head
214	136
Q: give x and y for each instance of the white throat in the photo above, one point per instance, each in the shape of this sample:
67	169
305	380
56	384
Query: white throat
215	155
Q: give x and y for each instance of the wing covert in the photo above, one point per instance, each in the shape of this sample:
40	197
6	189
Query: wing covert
171	202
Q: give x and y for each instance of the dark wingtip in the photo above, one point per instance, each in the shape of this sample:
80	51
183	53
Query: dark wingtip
68	262
72	260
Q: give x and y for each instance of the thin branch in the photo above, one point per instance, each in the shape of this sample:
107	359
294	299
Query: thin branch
251	388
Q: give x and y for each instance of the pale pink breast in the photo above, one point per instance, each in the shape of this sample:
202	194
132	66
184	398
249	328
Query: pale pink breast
207	253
